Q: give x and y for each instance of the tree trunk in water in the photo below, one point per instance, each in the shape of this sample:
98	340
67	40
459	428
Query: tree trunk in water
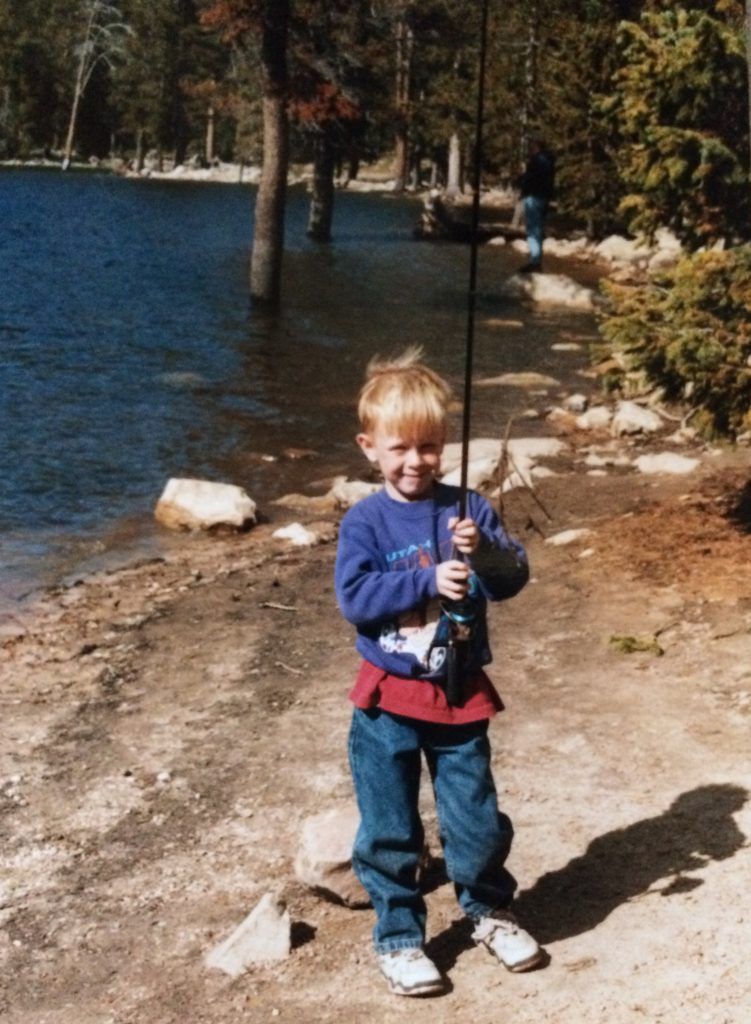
322	198
139	150
210	135
268	235
404	43
68	151
454	182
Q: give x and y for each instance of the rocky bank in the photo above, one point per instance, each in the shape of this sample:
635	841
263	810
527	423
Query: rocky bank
168	728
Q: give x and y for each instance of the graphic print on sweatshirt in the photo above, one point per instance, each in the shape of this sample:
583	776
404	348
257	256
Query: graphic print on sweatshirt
414	631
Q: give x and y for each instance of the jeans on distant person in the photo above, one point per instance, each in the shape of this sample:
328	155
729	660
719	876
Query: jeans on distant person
535	210
384	751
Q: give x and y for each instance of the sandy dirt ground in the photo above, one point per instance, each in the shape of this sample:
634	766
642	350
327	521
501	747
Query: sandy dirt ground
167	728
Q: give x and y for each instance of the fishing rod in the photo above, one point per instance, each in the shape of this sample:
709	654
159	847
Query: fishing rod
474	245
459	616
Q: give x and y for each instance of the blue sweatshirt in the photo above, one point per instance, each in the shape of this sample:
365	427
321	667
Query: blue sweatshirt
386	583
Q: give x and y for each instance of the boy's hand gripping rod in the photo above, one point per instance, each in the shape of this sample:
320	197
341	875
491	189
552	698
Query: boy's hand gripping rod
461	613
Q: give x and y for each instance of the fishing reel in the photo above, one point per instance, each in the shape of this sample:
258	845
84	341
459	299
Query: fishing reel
454	631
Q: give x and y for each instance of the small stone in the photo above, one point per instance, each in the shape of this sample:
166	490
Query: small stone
265	936
296	534
164	777
597	416
576	403
567	537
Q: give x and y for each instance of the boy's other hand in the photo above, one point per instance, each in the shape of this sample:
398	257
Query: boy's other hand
452	579
465	534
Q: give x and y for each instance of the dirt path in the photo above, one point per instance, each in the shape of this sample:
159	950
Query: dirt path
166	729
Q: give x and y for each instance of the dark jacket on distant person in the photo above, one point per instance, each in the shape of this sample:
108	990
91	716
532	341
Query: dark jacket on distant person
538	178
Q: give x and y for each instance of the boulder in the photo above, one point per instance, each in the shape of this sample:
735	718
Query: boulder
265	936
188	504
631	418
597	416
618	249
666	462
550	290
535	447
324	856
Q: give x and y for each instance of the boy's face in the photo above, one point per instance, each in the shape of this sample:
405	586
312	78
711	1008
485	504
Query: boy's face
409	463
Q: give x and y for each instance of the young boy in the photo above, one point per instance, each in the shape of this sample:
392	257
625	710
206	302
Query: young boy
402	551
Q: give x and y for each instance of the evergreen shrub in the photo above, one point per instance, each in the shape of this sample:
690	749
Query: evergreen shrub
687	331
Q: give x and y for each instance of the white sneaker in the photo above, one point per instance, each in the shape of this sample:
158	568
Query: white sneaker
410	972
502	936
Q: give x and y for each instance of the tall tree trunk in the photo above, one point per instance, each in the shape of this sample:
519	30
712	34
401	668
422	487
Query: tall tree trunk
210	135
748	70
404	44
140	151
322	197
268	235
454	182
77	93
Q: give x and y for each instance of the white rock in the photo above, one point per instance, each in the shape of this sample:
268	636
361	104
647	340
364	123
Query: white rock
566	346
535	447
479	473
666	241
519	245
620	249
597	472
526	379
479	448
550	290
265	936
324	856
597	416
188	504
666	462
567	537
497	240
631	418
576	403
566	247
542	472
348	492
297	535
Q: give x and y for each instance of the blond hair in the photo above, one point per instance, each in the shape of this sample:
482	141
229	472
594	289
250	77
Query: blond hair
403	396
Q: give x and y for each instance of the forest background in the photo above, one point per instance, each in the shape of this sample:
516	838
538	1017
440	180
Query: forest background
645	103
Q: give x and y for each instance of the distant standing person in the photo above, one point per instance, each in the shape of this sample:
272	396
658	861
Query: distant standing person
537	187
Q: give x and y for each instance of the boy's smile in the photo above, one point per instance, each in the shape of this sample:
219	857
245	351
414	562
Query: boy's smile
409	464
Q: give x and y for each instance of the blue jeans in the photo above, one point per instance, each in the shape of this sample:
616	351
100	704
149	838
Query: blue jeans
535	210
384	751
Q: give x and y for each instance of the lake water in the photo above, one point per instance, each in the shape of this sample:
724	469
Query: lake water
130	352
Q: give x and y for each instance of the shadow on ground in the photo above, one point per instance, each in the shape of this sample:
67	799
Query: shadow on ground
697	828
653	855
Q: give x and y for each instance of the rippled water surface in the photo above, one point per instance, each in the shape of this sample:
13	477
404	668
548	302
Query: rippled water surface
130	352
